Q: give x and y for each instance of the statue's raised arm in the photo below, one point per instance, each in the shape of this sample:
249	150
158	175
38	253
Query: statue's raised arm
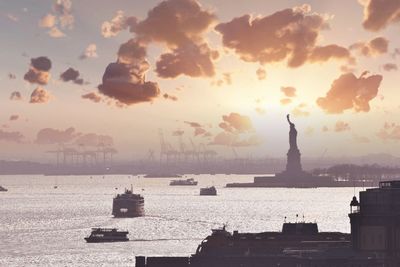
288	119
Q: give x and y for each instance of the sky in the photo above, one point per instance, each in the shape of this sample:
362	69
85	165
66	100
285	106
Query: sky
216	73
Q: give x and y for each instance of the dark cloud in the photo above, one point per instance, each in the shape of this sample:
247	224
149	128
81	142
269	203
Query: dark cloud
350	92
14	117
380	13
288	91
234	122
170	97
198	128
389	67
92	96
288	35
342	126
71	75
374	47
16	96
124	80
39	95
193	124
15	137
39	71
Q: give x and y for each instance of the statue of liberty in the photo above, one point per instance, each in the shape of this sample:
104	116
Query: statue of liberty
292	134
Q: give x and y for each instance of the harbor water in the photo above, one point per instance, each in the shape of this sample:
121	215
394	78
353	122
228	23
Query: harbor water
43	219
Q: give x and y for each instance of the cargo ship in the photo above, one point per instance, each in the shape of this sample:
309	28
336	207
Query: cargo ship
100	235
128	205
189	181
208	191
374	240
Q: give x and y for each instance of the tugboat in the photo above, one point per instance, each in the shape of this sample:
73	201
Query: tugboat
2	189
100	235
189	181
208	191
128	205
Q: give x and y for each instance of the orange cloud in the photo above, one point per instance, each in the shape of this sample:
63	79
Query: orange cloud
350	92
288	35
90	52
234	122
288	91
233	140
378	14
260	111
299	111
341	126
54	136
170	97
117	24
39	95
261	74
286	101
374	47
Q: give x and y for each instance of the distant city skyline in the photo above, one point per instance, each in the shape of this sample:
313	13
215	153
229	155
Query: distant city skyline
215	73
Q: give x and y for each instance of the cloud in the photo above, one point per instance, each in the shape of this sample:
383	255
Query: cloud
234	122
92	96
180	25
198	128
233	140
361	139
350	92
40	95
170	97
389	67
299	111
226	79
325	53
372	48
191	59
260	111
71	75
39	71
12	17
63	18
261	73
378	14
288	35
178	133
285	101
124	80
117	24
54	136
90	52
48	21
288	91
389	131
342	126
16	96
63	9
14	117
15	137
94	140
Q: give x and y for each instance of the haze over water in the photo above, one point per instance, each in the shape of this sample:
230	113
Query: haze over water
43	226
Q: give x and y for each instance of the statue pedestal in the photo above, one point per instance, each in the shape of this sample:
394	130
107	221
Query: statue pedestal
293	164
